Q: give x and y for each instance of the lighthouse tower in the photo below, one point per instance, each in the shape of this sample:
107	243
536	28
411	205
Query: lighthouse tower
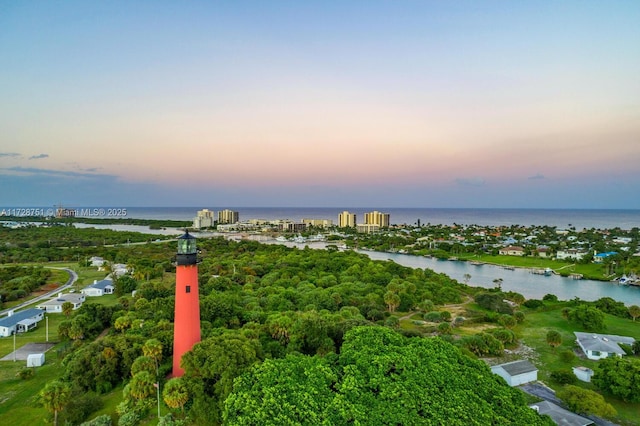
186	327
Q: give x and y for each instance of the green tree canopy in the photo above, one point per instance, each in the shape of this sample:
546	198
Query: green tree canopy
619	377
585	401
554	338
376	369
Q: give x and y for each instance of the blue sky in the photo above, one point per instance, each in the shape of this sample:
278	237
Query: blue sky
359	103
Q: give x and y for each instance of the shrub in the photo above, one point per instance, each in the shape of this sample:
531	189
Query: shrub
81	407
567	356
433	316
26	373
533	303
550	298
103	420
564	377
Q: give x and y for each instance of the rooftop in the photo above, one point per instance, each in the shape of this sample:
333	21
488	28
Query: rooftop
603	342
560	415
10	321
517	367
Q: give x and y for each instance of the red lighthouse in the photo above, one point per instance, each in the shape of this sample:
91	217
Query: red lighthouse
186	326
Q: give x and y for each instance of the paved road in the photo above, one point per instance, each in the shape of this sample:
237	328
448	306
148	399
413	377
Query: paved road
73	277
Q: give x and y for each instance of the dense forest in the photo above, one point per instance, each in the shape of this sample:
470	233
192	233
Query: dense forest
295	336
299	336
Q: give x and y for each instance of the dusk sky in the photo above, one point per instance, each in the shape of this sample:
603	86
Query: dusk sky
519	104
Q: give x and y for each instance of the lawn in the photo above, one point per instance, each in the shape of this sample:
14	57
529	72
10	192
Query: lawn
533	333
18	398
588	270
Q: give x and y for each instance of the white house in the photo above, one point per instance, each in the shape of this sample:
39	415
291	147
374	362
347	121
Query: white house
99	288
20	321
583	373
599	346
559	415
516	372
55	304
571	254
96	261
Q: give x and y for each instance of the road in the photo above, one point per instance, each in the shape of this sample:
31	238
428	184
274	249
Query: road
73	277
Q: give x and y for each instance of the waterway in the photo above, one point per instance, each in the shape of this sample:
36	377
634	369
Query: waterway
520	280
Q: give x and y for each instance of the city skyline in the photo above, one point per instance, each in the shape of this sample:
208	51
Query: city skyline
412	104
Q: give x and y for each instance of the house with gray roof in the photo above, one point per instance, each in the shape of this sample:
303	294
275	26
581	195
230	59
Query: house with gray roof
516	372
55	304
559	415
598	346
99	288
19	322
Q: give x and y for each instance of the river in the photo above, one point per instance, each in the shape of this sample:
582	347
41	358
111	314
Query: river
520	280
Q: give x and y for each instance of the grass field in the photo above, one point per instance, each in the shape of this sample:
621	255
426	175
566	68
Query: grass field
588	270
534	331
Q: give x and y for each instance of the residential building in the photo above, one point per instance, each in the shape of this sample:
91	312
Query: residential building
598	346
516	372
204	219
19	322
228	216
512	251
286	226
99	288
55	304
570	254
366	228
318	223
96	261
377	218
600	257
347	220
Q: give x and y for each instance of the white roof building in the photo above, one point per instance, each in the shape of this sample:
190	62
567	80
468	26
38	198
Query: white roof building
598	346
99	288
517	372
55	304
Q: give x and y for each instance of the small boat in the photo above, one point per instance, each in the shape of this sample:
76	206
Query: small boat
476	263
624	280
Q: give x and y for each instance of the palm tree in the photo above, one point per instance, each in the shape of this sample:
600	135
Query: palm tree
175	393
142	385
55	396
554	339
392	300
153	349
67	307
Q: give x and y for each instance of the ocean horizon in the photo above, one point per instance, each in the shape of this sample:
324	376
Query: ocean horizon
561	218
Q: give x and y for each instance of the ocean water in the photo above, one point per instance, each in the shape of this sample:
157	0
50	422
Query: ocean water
561	218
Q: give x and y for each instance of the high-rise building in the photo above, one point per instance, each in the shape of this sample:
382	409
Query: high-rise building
186	326
347	220
377	218
204	219
228	216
